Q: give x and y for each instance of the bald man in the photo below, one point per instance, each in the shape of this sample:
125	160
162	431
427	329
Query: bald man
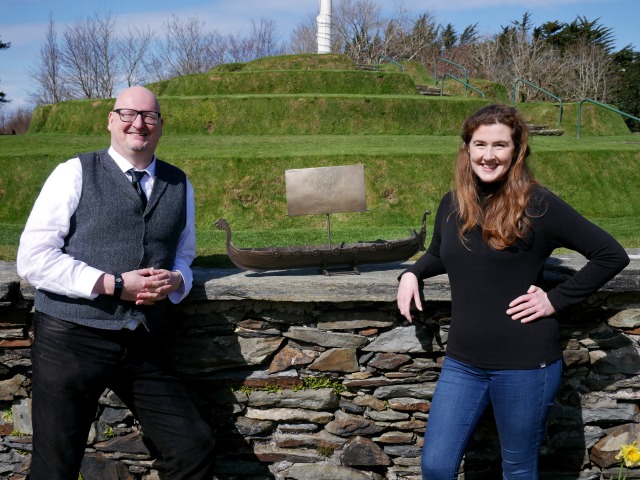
108	245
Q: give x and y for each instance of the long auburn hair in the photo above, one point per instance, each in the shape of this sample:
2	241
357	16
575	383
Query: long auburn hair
501	216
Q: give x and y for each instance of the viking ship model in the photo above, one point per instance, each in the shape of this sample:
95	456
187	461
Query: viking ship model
325	190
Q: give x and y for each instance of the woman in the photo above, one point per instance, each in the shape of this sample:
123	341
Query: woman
492	236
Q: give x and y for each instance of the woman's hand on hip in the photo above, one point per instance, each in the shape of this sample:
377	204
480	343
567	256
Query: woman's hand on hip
531	306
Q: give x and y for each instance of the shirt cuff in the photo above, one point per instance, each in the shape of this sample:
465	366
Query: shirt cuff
87	281
178	294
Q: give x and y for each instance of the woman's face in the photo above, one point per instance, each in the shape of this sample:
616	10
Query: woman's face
491	152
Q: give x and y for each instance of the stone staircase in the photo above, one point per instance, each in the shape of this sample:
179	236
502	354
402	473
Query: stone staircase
366	66
429	90
544	130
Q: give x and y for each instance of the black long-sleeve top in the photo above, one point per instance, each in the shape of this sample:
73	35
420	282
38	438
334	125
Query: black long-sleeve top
484	281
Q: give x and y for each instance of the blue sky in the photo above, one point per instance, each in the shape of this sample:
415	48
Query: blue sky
24	22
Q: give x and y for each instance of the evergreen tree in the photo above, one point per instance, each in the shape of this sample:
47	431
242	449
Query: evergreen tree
448	36
563	35
627	92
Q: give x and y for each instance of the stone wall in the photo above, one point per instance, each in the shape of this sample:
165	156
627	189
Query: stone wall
305	376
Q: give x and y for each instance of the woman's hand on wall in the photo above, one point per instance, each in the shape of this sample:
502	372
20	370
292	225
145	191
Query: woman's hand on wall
408	291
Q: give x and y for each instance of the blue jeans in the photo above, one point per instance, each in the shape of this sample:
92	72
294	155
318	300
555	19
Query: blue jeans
521	400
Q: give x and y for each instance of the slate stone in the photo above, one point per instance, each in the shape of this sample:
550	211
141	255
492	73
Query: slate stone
623	360
412	339
129	444
22	416
198	355
98	467
322	439
323	472
289	414
628	319
289	357
326	339
13	387
312	399
251	427
336	360
345	424
604	451
389	361
363	452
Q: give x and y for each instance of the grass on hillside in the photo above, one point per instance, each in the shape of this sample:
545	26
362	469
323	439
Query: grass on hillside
303	61
241	178
286	82
236	146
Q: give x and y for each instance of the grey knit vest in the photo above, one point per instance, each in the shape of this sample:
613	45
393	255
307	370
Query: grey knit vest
110	231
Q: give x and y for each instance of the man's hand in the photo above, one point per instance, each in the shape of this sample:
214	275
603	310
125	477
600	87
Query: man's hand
157	285
145	286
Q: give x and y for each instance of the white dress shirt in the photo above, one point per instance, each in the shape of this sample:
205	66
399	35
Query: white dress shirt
41	260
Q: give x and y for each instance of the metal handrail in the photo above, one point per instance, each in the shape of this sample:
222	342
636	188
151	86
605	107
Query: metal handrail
391	60
460	81
600	105
515	87
435	72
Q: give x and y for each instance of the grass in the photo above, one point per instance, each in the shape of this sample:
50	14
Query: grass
287	82
236	129
241	178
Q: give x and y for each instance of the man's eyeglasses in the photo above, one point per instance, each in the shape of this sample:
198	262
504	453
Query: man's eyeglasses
129	116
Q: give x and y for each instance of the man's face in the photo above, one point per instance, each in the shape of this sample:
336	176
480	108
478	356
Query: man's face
130	137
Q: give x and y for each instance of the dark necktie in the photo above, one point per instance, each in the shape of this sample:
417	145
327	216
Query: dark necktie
136	177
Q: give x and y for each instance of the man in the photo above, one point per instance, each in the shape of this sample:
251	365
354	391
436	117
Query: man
106	253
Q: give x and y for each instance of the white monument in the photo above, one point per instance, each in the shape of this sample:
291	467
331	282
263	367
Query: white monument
324	27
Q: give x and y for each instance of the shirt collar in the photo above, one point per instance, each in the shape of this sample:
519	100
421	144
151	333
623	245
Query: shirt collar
125	166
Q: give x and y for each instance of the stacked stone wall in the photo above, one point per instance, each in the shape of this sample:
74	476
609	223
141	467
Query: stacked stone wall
305	376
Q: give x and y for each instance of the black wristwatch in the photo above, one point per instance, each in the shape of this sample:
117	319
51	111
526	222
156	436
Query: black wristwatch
117	286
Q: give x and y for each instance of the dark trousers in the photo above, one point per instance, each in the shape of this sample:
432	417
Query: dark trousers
72	366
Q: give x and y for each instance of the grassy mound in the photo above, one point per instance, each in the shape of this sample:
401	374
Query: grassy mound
236	129
287	82
313	114
308	61
313	95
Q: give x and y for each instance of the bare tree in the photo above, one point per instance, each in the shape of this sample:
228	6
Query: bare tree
263	41
357	25
570	71
264	35
187	48
360	31
15	122
517	54
591	71
89	57
304	38
47	74
133	49
410	38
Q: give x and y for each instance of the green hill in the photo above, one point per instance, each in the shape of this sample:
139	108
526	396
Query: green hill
236	129
314	95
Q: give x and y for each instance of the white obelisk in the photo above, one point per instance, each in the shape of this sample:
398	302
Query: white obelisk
324	27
